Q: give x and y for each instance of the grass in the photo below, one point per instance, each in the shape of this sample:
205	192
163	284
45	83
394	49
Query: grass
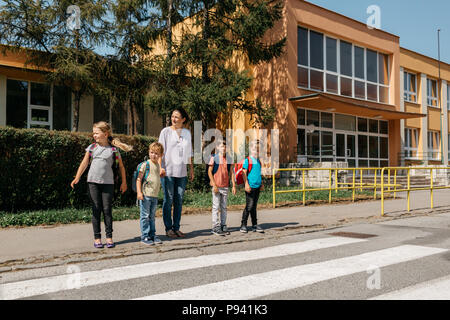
193	202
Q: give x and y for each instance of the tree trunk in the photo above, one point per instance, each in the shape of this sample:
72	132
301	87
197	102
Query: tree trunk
76	111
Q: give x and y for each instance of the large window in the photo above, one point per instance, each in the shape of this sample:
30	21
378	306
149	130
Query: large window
323	136
433	145
411	143
432	99
37	105
339	67
410	87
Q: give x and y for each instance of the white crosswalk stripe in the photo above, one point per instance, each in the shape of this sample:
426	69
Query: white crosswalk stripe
437	289
41	286
296	277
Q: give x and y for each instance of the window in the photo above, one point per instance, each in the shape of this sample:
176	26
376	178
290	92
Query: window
37	105
331	54
410	87
325	136
344	122
432	93
16	103
340	67
433	145
316	56
411	143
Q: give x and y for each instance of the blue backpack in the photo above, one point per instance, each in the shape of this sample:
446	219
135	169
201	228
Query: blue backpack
136	173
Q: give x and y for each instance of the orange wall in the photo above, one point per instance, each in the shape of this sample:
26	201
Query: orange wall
276	81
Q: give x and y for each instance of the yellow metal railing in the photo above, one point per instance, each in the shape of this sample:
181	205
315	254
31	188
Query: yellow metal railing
408	189
337	185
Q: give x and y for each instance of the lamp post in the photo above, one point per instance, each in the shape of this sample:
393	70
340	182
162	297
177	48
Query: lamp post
439	95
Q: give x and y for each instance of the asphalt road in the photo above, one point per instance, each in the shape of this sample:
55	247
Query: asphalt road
399	259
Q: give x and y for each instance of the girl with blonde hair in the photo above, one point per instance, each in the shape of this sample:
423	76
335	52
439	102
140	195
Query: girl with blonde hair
102	156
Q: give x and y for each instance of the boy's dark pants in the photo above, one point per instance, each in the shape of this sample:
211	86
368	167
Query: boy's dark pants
251	199
101	196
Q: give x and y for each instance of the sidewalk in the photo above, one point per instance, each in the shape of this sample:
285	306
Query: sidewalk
68	243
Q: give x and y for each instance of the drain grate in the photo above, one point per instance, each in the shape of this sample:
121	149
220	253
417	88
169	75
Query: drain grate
353	235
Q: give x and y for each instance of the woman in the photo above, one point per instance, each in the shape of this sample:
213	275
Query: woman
177	144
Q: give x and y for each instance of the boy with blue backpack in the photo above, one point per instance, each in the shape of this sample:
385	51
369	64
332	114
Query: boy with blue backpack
148	184
219	176
253	185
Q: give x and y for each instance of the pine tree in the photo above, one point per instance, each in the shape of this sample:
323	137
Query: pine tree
214	34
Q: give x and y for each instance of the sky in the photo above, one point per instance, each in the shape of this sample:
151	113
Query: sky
415	21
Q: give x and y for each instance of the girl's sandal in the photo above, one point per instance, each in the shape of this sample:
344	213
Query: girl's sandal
98	245
110	245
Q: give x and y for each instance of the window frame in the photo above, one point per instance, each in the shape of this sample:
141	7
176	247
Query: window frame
408	93
430	99
434	136
338	74
409	148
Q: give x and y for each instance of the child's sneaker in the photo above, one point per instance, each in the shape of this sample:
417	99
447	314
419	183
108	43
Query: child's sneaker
257	229
156	240
217	231
147	241
243	229
225	229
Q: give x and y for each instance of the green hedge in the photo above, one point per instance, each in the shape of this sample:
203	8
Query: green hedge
38	165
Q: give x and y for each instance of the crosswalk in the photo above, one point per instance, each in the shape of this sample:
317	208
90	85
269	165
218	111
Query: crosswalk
237	288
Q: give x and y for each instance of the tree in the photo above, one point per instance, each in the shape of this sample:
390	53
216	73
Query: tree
67	56
214	34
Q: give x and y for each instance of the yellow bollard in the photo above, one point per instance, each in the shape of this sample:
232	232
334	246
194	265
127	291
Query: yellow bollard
273	187
431	187
329	186
353	188
382	192
409	185
375	185
389	180
361	180
336	181
303	178
395	183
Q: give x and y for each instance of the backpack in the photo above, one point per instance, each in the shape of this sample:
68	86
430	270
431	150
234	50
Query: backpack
238	169
215	168
136	173
115	165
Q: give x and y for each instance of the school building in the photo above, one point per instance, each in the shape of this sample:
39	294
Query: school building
343	93
27	101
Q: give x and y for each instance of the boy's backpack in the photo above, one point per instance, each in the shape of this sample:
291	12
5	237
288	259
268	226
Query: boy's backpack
115	165
136	173
238	169
215	168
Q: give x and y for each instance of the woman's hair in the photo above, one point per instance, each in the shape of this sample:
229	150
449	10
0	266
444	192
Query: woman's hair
183	114
106	128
